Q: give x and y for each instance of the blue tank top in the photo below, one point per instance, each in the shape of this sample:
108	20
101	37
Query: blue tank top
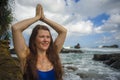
46	75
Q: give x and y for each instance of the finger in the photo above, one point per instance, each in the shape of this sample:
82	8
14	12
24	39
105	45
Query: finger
38	9
39	5
42	13
42	10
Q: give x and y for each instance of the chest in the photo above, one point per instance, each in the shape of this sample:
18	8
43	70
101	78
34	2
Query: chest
44	65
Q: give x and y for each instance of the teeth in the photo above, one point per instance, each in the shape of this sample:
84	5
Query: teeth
45	43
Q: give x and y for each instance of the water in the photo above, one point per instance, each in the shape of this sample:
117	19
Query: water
80	66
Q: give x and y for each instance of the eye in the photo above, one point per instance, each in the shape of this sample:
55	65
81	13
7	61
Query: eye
48	36
41	36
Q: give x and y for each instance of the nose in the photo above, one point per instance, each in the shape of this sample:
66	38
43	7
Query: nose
46	39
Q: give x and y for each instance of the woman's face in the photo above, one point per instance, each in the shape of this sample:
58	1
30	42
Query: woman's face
43	40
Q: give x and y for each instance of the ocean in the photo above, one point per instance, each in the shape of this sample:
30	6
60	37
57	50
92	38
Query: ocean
80	66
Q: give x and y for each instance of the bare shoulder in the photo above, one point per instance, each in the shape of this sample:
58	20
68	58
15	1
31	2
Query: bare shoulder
23	54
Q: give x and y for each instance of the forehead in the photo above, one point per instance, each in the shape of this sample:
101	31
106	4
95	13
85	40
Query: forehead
43	32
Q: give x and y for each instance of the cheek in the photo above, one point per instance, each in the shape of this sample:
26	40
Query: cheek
49	40
38	40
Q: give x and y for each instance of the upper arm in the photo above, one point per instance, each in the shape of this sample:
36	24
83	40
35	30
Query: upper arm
19	44
59	41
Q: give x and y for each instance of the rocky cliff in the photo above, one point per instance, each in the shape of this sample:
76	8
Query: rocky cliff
9	67
113	60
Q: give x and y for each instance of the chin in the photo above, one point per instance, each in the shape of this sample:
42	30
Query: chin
45	48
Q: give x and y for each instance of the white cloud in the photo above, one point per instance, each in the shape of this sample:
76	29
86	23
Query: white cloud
115	19
62	14
74	16
104	40
81	27
111	25
23	12
117	36
54	6
88	8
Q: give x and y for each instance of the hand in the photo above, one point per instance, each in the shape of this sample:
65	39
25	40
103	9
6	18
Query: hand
39	12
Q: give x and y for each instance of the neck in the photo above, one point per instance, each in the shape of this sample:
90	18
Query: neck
41	53
41	56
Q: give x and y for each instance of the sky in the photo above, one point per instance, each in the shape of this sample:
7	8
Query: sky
91	23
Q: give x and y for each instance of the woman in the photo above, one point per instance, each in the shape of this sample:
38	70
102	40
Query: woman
39	61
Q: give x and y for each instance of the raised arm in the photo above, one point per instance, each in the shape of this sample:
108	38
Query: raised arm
18	39
59	41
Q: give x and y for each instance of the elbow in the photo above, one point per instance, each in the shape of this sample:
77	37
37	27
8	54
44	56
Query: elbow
14	28
65	31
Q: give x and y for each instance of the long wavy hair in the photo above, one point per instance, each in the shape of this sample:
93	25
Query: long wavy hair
30	72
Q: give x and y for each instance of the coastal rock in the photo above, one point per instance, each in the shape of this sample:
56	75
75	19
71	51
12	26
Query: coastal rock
77	46
116	64
91	76
112	60
72	68
101	57
71	50
9	67
111	46
82	75
75	49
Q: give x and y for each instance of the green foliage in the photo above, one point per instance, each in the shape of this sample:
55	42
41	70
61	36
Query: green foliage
5	19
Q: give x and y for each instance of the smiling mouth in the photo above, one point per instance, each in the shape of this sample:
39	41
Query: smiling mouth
45	44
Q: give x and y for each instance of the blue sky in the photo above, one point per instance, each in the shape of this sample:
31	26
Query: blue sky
91	23
98	20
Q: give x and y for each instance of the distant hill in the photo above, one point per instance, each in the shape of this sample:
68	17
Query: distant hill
111	46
